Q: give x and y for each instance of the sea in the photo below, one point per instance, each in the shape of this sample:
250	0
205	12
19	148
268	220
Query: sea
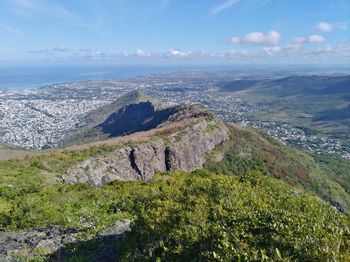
35	76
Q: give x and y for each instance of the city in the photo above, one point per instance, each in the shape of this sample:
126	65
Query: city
39	119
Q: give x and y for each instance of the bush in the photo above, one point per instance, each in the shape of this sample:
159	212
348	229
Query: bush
203	217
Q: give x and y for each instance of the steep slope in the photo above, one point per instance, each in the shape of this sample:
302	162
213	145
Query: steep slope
135	118
183	149
191	138
132	112
251	150
292	85
100	114
342	87
239	210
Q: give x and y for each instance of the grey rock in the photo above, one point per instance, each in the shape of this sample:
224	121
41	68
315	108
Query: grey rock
117	230
52	242
26	243
184	150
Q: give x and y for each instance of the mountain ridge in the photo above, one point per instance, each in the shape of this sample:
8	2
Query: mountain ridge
105	198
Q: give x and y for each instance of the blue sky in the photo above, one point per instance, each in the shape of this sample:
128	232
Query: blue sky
181	31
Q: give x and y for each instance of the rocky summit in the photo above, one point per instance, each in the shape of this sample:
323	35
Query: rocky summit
171	149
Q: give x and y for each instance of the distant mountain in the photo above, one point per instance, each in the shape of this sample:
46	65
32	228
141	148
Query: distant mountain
132	112
99	115
238	85
134	118
342	87
293	85
334	115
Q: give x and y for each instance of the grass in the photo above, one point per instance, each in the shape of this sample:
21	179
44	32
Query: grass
33	173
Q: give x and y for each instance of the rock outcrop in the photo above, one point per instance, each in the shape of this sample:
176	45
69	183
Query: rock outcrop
52	242
185	150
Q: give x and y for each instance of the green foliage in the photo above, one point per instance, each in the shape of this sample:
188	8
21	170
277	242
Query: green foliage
206	217
250	150
18	177
77	206
199	216
337	167
235	165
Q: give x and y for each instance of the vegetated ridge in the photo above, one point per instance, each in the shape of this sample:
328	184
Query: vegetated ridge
124	198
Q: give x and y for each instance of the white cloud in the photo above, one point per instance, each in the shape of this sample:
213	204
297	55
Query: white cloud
340	50
316	38
11	30
322	51
141	53
223	6
289	51
180	53
233	54
257	38
272	50
325	27
307	40
328	27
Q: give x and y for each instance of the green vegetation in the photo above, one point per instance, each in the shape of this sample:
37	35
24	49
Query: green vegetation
337	168
199	216
250	150
207	217
318	103
233	210
30	175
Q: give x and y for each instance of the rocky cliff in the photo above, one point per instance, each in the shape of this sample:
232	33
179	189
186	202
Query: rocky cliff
183	149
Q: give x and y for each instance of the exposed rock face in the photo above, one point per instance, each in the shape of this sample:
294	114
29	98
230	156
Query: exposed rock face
24	243
52	241
185	150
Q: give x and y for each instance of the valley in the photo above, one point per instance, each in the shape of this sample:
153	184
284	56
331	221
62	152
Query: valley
172	131
59	109
98	200
137	158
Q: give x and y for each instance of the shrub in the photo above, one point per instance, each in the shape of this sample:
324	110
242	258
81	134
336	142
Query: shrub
206	217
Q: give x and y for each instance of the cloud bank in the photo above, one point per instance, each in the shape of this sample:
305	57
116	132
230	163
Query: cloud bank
257	38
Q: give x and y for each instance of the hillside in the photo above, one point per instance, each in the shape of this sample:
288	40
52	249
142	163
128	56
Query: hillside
175	216
98	124
124	197
250	150
317	103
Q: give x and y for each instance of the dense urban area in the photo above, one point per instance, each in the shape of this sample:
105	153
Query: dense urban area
40	118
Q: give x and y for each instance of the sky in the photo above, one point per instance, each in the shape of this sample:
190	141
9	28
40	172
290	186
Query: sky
175	31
